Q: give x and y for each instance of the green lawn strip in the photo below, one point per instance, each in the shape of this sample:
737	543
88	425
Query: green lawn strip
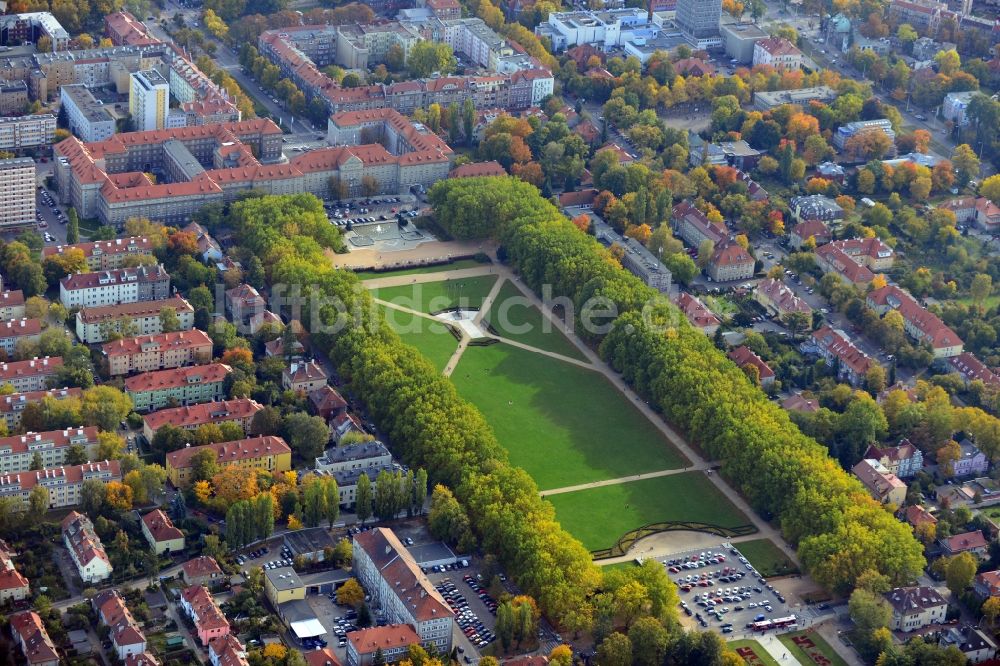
767	558
763	656
431	339
512	311
435	296
600	516
421	270
821	646
630	564
563	424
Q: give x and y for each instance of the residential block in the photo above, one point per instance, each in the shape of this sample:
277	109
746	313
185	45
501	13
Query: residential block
269	453
189	385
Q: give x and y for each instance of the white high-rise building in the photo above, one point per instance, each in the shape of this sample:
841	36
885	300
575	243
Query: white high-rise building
148	100
17	193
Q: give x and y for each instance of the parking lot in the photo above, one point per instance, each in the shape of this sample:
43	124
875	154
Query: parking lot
475	610
720	589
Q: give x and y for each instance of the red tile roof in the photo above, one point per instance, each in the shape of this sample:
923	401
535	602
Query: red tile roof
812	229
410	584
367	641
95	315
79	531
20	328
744	356
228	651
844	264
111	247
118	276
201	566
934	331
208	412
972	369
35	642
174	377
10	577
918	515
731	253
30	368
782	296
14	444
838	344
797	403
778	46
161	527
696	312
478	169
966	541
300	372
242	449
207	614
325	657
163	342
13	298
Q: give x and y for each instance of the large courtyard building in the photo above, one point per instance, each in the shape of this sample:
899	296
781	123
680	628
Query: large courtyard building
17	193
214	163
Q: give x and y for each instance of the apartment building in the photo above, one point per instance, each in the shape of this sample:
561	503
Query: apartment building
19	132
12	405
63	483
730	261
202	570
228	651
13	585
304	376
915	607
30	27
884	486
209	622
88	118
777	52
246	307
105	255
848	130
11	305
97	324
188	385
392	641
30	375
114	287
123	29
779	299
920	324
268	453
124	632
160	532
903	460
33	639
388	572
17	452
13	333
148	100
147	353
347	480
13	97
85	548
17	193
363	455
839	351
240	411
694	227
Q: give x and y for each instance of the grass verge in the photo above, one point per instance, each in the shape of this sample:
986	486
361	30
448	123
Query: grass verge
811	645
435	296
513	316
767	558
431	339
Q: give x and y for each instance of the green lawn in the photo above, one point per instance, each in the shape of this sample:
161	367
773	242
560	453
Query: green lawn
600	516
764	658
563	424
421	270
802	655
512	311
435	296
767	558
431	339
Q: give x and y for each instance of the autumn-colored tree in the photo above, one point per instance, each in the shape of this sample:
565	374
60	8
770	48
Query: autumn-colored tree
239	357
582	222
275	651
817	186
234	483
293	522
202	491
181	243
530	172
948	454
118	496
640	232
351	593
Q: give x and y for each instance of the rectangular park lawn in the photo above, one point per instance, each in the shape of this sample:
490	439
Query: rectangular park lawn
564	424
433	297
601	515
513	316
431	339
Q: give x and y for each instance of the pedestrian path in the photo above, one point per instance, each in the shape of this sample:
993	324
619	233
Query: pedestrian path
625	479
778	651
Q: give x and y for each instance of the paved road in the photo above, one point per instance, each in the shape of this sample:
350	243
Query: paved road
136	584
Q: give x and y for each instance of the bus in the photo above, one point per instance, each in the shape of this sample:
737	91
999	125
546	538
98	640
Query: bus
777	623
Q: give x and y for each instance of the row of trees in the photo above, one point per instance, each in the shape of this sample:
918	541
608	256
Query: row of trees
841	532
418	409
250	520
